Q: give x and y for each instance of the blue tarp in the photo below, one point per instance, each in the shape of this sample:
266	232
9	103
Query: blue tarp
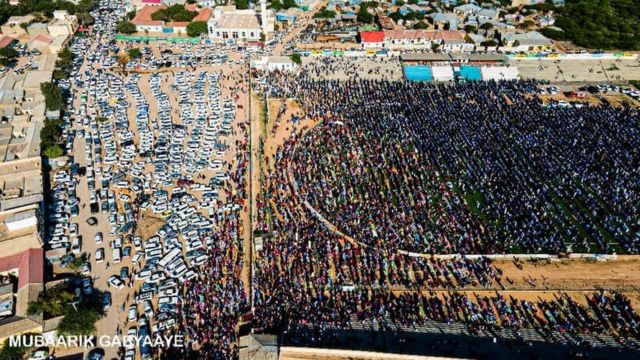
471	73
418	73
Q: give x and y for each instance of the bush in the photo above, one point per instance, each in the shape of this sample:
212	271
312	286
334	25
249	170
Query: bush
323	13
134	53
54	152
126	27
197	28
420	25
175	12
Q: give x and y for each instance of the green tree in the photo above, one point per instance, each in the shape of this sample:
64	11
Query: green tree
10	352
53	152
197	28
52	96
399	2
287	4
486	26
242	4
295	58
420	25
85	18
364	16
65	59
275	5
323	13
134	53
79	322
131	14
126	27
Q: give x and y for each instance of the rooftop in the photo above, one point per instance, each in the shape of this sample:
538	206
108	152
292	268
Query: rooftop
238	21
143	17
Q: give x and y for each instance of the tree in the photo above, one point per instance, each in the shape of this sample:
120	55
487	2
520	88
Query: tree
131	14
10	352
8	52
420	25
470	28
51	303
364	16
275	5
65	59
489	43
134	53
79	322
486	26
296	58
287	4
399	2
85	18
53	152
52	96
76	263
126	27
323	13
197	28
242	4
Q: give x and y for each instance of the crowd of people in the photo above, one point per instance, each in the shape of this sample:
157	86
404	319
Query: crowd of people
468	168
439	169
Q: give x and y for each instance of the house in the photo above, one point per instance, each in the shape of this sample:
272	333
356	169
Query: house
524	42
444	21
466	9
16	25
453	41
144	22
372	39
7	41
37	29
62	24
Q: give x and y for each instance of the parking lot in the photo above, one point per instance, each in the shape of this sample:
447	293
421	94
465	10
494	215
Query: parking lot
155	168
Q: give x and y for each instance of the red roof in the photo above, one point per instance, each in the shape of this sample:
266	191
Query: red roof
31	268
30	265
372	36
44	38
6	41
203	15
143	17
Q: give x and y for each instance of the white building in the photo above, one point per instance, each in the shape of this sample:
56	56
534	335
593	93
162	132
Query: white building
271	63
231	24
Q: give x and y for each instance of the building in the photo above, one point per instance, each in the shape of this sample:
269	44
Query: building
229	24
144	22
271	63
372	39
62	24
16	25
525	42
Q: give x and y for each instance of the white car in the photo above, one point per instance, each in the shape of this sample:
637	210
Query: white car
100	255
133	313
116	282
